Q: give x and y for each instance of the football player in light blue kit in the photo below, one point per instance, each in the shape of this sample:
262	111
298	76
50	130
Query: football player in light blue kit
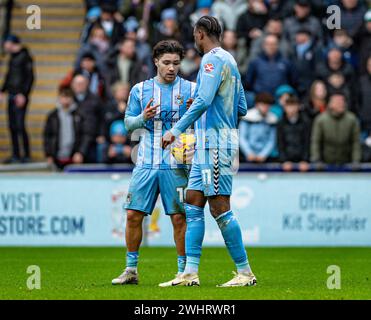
219	102
154	106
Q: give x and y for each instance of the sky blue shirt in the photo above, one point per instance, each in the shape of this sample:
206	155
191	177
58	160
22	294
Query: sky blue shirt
219	102
172	99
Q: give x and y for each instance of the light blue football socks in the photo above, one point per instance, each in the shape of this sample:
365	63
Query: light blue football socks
232	235
181	263
132	260
194	236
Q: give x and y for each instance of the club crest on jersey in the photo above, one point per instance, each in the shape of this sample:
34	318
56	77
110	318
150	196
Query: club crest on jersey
209	67
179	100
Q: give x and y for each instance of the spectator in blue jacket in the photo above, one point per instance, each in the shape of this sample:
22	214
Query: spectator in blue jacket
281	95
258	130
270	70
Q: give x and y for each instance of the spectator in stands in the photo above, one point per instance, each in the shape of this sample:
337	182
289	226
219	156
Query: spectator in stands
293	136
230	43
273	26
190	64
258	130
88	67
91	109
63	134
305	56
364	43
345	43
124	65
279	9
270	70
142	47
228	11
203	8
6	7
302	19
338	75
316	101
168	27
365	110
18	83
119	150
114	110
113	29
98	45
281	95
250	24
352	13
336	134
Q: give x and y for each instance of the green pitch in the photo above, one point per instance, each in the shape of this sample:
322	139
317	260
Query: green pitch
282	273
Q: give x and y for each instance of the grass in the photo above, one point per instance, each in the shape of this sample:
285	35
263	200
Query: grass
282	273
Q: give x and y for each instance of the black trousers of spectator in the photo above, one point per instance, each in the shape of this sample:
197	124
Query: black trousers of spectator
17	127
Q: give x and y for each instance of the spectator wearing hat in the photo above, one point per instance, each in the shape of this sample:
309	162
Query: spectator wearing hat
168	27
335	135
251	23
303	19
282	93
363	42
352	14
364	111
293	137
63	132
119	149
18	83
270	69
305	55
124	66
89	68
258	130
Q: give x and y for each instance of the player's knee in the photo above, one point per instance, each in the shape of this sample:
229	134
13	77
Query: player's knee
178	221
134	219
217	210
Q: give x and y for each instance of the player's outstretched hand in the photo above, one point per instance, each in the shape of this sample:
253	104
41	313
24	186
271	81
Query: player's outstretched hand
167	139
149	111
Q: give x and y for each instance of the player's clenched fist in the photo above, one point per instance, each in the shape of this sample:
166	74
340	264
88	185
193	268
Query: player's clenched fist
149	111
167	139
189	103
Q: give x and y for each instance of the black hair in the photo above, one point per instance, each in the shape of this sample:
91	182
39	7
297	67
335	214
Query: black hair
210	25
168	46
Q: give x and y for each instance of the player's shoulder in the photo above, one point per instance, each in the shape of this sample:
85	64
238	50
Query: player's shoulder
186	82
138	87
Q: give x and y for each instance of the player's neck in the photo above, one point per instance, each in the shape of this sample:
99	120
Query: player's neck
161	80
210	46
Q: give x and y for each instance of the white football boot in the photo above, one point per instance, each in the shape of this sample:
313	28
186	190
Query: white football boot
127	277
183	279
240	279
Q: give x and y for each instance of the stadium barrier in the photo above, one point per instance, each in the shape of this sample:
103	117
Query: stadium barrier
274	209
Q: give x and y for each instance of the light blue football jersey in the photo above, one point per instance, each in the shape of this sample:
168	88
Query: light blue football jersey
219	102
172	99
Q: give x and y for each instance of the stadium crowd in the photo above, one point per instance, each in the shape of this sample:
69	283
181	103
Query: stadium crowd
308	87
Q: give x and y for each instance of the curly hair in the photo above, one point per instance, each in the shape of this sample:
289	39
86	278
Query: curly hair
168	46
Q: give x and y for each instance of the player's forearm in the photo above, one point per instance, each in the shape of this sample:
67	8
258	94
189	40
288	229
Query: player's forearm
132	123
198	107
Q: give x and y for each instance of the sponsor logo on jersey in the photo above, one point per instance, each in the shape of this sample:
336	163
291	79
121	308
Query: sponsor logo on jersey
209	67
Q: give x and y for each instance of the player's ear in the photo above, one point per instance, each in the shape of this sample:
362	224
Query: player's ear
155	60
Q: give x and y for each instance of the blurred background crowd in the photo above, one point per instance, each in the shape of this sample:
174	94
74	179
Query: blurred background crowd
308	87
